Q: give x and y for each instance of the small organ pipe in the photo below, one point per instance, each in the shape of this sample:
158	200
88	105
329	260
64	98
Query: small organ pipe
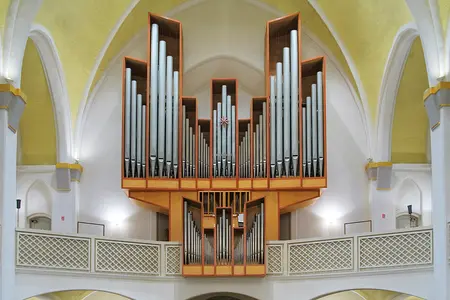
169	114
161	104
214	143
249	136
200	153
193	155
257	146
264	140
139	134
183	146
320	120
186	146
279	117
189	150
261	146
127	120
287	110
273	126
254	155
144	142
186	240
314	128
228	140
294	99
153	96
175	122
233	139
133	128
304	141
219	140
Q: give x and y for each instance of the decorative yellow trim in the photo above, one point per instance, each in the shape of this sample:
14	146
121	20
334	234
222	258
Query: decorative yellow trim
371	165
69	166
383	189
434	89
436	125
444	105
6	87
63	190
3	106
74	180
12	128
384	164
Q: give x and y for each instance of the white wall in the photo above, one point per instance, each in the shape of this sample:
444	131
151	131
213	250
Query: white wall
221	48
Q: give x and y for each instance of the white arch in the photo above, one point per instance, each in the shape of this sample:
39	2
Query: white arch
88	97
405	182
426	16
447	51
57	85
44	189
352	66
393	72
18	22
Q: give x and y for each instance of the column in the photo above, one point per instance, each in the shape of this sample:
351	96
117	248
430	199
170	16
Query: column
437	104
65	207
12	103
382	204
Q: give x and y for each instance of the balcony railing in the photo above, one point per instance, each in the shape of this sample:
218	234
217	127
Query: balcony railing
405	249
361	253
38	249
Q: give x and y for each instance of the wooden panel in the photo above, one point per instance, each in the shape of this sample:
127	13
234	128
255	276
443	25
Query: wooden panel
224	270
208	270
163	184
286	199
258	195
134	183
190	195
294	207
285	183
209	222
192	270
176	217
245	183
272	217
218	183
255	270
203	184
160	199
314	182
238	270
188	184
262	183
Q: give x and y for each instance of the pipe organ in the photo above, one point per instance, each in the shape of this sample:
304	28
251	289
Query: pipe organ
222	179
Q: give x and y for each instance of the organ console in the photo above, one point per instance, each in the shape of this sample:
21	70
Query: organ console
224	181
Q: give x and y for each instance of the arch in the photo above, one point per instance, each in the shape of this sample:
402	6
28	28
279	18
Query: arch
87	100
85	294
426	16
57	85
40	205
389	87
222	296
408	187
366	294
18	22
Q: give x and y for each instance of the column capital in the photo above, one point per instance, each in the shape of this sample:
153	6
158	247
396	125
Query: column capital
434	99
381	172
66	173
13	100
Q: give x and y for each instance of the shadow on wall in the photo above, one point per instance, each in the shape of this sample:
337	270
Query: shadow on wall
80	295
368	294
222	296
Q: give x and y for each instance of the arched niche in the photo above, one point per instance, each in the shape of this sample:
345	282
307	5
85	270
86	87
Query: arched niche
408	193
38	201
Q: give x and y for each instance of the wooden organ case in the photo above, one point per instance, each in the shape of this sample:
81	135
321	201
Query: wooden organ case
224	181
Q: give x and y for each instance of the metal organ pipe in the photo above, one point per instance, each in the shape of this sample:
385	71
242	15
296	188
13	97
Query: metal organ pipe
294	100
127	120
175	123
286	110
279	112
143	142
273	124
133	128
320	120
139	134
161	104
314	129
308	136
219	140
169	113
153	96
264	140
233	139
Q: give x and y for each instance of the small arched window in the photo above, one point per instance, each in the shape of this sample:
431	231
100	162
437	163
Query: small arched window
40	222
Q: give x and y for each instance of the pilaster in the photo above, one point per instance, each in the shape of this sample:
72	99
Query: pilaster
65	208
382	206
12	103
437	104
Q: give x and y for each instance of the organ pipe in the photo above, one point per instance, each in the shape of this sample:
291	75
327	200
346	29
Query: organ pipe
133	128
279	116
139	134
161	104
219	140
314	128
153	96
192	237
264	140
169	120
127	120
272	126
214	143
294	99
175	123
233	139
320	120
286	110
255	238
308	136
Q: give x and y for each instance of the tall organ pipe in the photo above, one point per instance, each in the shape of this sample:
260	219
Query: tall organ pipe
308	135
161	104
183	146
257	146
139	134
219	140
144	142
175	123
153	96
320	119
279	109
127	120
233	140
186	146
200	153
224	130
214	142
133	128
169	114
249	136
228	140
264	140
186	241
287	110
272	126
304	141
294	99
261	146
314	129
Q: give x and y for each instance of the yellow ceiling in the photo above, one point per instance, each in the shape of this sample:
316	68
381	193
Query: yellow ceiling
367	29
409	130
37	125
3	12
444	9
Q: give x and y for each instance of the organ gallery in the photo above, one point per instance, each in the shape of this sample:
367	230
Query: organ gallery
224	181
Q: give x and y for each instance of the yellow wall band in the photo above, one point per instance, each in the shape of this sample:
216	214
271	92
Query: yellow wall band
6	87
3	106
69	166
434	89
373	165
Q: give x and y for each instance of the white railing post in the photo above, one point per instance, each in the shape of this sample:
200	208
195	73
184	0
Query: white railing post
285	258
93	254
163	259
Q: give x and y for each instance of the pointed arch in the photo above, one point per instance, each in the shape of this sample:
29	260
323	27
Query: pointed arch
389	88
41	205
408	187
56	82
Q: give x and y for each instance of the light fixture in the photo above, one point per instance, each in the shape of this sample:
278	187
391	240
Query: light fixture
18	205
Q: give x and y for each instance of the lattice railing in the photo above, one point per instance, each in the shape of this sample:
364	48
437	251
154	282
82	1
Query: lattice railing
52	251
396	250
334	255
47	250
275	259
